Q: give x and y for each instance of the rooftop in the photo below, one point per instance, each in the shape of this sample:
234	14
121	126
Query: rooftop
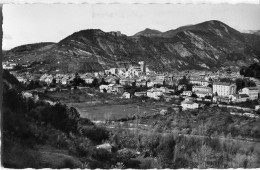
223	83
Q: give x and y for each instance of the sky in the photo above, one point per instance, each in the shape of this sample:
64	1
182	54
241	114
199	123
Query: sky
32	23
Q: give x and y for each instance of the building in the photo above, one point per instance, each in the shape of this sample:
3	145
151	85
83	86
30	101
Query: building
126	81
182	87
201	82
118	88
202	89
224	88
237	98
139	94
89	80
126	95
160	77
141	83
202	94
150	84
142	66
188	104
21	79
186	93
223	99
252	92
103	88
64	80
154	93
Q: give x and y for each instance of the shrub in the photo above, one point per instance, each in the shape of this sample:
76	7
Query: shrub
150	143
83	147
102	155
95	133
165	152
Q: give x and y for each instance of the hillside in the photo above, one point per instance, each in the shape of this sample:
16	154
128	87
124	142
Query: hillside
38	135
207	45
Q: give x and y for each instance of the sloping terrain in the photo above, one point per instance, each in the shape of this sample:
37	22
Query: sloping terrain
208	45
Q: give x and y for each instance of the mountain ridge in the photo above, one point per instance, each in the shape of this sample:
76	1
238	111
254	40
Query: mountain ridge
207	45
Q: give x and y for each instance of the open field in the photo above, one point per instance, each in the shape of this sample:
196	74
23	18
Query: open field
102	112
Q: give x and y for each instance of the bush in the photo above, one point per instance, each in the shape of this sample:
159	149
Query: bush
83	147
102	155
95	133
165	152
150	143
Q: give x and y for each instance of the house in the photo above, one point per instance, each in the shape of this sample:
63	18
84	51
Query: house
201	82
154	93
252	92
118	89
224	99
158	81
126	95
21	79
139	94
103	88
224	88
64	80
27	94
202	94
141	83
188	104
160	77
257	107
89	80
186	93
126	81
48	79
111	79
110	88
150	84
182	87
202	89
239	98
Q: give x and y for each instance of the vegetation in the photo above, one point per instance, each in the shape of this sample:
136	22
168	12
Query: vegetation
39	135
251	71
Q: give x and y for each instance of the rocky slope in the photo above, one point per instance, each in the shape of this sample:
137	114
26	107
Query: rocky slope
208	45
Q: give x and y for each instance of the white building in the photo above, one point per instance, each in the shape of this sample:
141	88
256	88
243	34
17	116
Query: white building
237	98
203	94
224	88
187	104
186	93
89	80
102	87
126	95
154	93
202	89
252	92
201	82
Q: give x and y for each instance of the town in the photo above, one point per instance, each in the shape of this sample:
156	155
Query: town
194	88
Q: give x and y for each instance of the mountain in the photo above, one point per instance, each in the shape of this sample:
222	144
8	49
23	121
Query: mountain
256	32
207	45
148	32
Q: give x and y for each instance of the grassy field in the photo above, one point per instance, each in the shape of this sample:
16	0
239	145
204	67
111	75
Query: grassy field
102	112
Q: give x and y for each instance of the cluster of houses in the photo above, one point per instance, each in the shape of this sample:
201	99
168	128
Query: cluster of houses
8	65
225	92
205	84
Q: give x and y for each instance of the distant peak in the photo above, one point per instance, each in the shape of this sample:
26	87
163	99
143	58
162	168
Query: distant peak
148	32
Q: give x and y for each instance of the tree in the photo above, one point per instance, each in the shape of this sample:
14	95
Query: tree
203	157
95	83
194	95
54	81
184	80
